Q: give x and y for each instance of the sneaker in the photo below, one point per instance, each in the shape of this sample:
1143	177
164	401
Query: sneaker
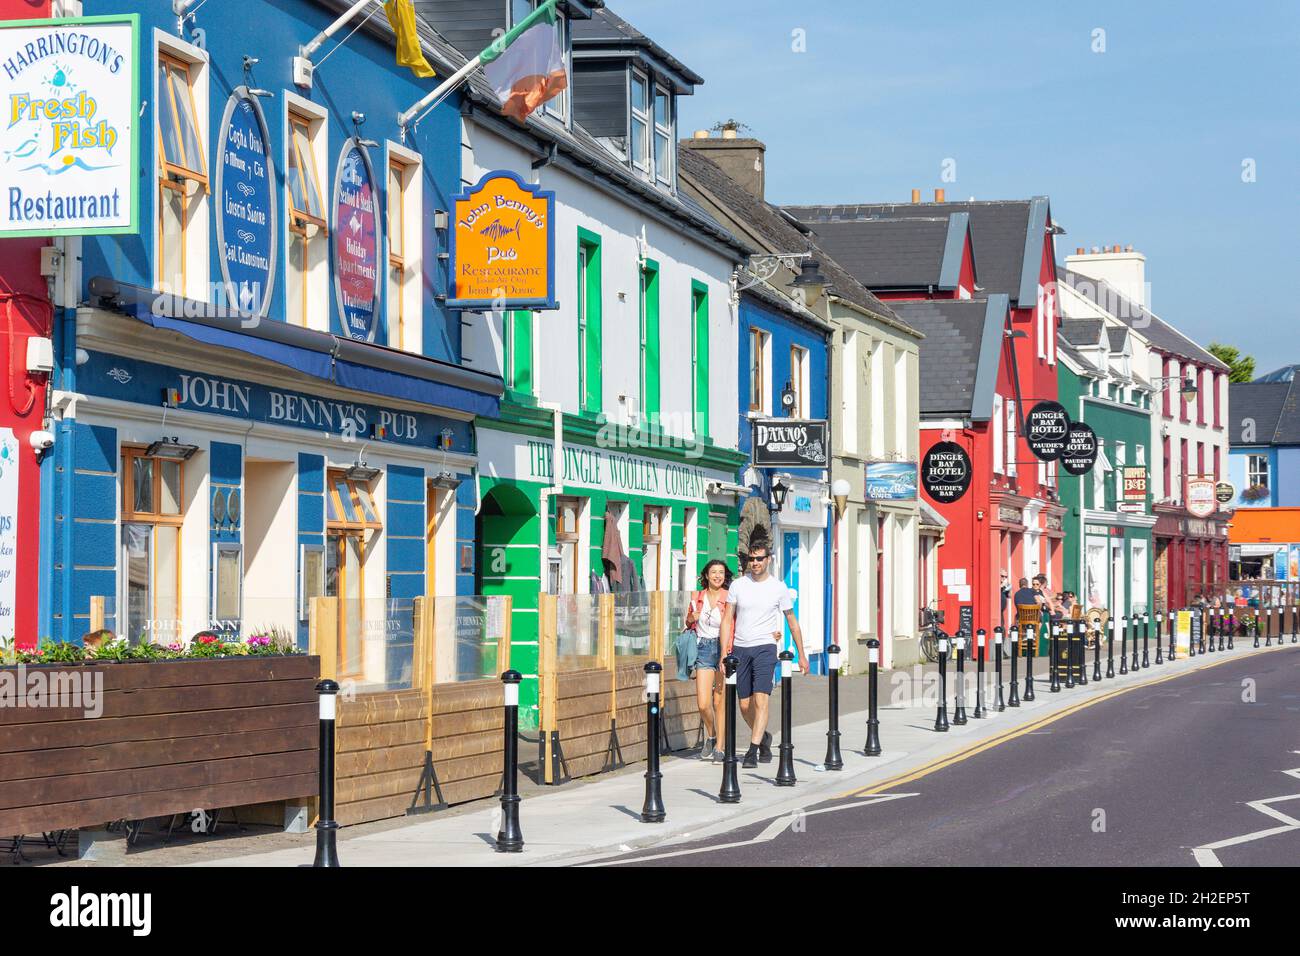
765	748
706	752
751	757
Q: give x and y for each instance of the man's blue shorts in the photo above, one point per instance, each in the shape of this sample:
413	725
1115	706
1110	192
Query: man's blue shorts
756	669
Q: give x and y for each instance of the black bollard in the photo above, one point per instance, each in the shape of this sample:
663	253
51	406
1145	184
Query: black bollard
1253	624
1273	625
980	712
959	698
1013	698
1146	639
327	828
1205	621
730	791
1081	652
833	759
941	718
1110	647
1096	653
1294	635
872	748
785	768
1136	621
1221	625
1159	640
1053	665
999	703
1123	644
1232	626
1173	636
510	839
652	811
1031	636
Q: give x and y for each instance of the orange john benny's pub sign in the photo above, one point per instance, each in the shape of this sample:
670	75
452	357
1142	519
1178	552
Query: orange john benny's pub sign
503	245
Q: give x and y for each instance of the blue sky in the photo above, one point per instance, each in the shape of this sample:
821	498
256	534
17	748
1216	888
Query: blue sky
1142	143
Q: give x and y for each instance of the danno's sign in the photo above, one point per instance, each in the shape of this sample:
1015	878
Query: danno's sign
503	246
789	443
69	140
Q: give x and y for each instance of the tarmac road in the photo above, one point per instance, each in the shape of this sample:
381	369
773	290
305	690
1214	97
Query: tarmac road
1161	775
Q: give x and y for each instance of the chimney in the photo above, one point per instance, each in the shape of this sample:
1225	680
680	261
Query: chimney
1078	250
916	195
741	158
938	195
1120	267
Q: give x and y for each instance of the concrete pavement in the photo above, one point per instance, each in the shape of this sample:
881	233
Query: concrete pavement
597	818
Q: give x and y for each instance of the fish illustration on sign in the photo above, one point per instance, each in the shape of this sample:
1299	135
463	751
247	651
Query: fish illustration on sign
22	152
496	230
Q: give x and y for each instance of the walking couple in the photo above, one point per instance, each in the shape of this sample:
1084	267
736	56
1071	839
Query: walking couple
740	617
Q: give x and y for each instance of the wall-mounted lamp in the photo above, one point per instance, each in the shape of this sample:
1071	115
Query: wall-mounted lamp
361	472
171	448
840	494
776	495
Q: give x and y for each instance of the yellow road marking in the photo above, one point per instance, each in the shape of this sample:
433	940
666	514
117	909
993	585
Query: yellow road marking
983	745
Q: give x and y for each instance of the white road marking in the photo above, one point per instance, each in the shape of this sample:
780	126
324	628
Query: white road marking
770	832
1205	855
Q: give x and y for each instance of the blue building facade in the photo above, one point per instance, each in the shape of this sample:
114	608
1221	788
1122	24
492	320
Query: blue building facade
259	397
783	347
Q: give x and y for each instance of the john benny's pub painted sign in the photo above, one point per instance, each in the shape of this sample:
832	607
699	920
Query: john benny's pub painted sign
69	137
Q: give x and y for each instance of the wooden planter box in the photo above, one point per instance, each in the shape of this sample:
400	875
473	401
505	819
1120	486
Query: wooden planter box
173	736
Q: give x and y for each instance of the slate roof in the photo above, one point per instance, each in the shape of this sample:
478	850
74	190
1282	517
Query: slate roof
1063	347
888	253
1082	333
1162	336
962	346
1118	336
999	232
775	228
576	144
1274	408
607	29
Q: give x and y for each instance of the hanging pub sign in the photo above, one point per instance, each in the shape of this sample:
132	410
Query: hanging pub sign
1200	496
246	217
356	242
1080	451
946	472
1046	429
503	246
891	481
1224	492
789	443
69	142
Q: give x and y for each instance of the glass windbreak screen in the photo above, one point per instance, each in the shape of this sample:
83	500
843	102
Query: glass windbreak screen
631	624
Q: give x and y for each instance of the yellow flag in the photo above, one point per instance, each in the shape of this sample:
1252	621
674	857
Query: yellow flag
401	17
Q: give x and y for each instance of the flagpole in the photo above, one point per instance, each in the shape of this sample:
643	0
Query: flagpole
486	56
334	28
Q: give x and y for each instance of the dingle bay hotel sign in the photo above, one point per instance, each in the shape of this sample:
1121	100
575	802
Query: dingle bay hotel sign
69	140
503	246
789	443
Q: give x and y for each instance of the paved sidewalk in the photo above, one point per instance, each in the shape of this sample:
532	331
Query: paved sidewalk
600	817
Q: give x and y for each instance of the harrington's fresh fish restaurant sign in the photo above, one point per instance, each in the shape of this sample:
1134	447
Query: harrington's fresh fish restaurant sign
68	141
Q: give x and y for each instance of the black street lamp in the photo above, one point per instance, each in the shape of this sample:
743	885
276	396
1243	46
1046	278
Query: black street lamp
777	493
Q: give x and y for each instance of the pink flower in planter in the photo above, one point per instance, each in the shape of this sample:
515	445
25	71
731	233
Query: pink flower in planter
259	640
175	646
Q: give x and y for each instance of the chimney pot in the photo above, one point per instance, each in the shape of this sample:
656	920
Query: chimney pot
1115	248
701	134
938	195
729	133
916	195
1129	247
1078	251
1095	250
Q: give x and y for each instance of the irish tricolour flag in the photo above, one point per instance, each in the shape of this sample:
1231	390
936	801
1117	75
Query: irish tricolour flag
526	65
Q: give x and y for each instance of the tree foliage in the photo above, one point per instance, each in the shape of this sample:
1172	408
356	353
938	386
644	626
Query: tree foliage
1242	367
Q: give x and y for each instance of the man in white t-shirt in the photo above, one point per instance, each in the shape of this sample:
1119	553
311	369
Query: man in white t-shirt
751	631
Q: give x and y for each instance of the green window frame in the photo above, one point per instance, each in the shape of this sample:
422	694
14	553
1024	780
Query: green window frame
518	363
700	356
650	367
589	322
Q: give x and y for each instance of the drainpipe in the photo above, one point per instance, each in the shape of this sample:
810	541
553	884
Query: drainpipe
556	487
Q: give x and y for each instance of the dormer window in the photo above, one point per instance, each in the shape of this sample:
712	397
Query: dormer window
640	134
664	137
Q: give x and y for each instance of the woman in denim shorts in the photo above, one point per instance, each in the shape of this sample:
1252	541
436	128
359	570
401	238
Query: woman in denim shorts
705	616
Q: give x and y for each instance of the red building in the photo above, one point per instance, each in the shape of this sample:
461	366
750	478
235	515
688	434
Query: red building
25	313
984	362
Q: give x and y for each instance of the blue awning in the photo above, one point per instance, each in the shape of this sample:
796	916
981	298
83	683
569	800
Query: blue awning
322	356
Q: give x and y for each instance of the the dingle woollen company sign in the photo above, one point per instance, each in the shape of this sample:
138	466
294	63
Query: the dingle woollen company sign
503	246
